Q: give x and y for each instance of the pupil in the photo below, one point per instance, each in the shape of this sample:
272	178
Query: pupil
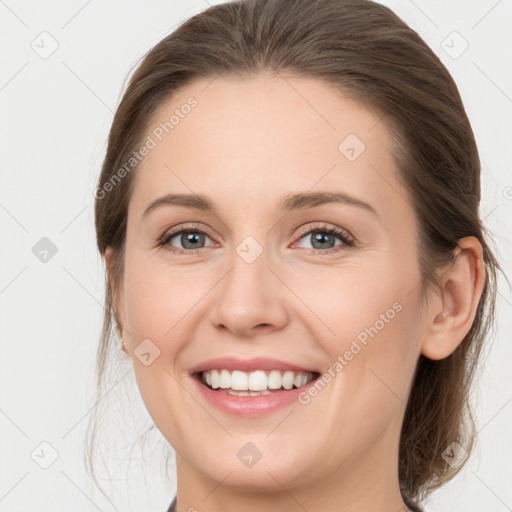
320	237
190	238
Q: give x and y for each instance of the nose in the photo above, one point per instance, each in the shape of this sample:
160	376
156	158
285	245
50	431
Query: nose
250	299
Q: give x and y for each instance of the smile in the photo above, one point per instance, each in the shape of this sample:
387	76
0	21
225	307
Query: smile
235	394
256	383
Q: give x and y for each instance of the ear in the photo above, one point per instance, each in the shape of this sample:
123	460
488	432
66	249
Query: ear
116	292
461	290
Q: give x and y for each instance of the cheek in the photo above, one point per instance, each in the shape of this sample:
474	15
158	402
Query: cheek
350	298
367	320
157	298
158	303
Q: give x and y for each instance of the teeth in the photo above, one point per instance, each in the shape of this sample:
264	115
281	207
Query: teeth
247	393
224	379
254	383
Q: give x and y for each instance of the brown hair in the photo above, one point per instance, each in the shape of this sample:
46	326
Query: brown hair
368	52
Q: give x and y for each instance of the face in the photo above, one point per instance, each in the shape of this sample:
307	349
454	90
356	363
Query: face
328	286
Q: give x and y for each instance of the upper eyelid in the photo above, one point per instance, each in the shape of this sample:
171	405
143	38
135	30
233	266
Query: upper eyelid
303	230
321	225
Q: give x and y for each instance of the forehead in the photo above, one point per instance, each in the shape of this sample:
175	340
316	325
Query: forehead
251	140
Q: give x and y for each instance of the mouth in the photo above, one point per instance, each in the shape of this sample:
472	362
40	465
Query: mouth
254	383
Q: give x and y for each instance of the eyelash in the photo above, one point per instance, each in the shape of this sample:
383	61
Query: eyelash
347	239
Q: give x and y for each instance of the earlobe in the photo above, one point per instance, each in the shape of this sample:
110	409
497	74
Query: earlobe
461	289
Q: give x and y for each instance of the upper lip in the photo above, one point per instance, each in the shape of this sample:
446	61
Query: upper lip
248	365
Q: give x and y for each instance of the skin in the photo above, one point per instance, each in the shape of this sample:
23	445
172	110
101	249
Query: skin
246	144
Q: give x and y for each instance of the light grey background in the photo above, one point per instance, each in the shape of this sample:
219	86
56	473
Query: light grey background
55	114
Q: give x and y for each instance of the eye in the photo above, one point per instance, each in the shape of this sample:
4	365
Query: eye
191	240
323	239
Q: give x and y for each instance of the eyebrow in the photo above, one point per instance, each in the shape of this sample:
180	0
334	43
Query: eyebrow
287	203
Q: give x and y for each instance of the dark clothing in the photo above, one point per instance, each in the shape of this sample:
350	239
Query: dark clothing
412	506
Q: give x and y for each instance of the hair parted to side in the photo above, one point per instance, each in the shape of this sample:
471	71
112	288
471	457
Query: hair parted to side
370	54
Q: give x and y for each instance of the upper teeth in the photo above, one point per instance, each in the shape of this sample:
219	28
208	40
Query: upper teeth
258	380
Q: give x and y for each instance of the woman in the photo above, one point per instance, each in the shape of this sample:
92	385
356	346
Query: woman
288	212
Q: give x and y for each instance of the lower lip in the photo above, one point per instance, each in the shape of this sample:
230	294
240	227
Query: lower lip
250	406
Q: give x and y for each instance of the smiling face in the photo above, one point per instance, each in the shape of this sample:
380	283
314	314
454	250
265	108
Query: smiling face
260	274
